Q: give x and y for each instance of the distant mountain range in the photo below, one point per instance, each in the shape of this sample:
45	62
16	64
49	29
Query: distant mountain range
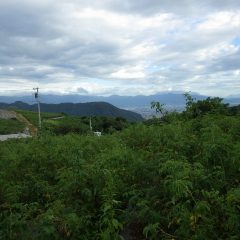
128	102
78	109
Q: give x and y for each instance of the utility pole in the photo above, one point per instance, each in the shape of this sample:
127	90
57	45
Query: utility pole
38	102
90	124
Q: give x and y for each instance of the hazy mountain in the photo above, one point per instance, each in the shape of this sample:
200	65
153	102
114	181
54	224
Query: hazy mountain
234	96
120	101
79	109
170	99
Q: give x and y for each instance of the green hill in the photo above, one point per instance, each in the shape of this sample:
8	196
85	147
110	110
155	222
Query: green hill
79	109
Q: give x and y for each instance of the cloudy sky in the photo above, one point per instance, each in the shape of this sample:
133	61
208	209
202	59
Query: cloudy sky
124	47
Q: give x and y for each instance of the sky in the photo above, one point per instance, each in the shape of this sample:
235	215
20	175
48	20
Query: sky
120	47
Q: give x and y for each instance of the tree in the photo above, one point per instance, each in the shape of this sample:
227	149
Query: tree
212	105
189	100
159	107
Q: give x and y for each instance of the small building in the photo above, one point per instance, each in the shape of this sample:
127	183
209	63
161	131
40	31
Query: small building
98	134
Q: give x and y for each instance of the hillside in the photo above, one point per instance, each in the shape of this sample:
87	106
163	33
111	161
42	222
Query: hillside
59	124
174	178
79	109
9	123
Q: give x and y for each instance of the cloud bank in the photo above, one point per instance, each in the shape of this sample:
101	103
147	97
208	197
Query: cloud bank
120	47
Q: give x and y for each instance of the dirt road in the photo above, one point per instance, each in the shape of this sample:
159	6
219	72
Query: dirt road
32	128
12	136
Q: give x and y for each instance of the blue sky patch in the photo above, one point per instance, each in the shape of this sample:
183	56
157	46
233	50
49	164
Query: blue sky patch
236	41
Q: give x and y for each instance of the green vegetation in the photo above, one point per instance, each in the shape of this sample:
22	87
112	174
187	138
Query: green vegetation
74	124
9	126
234	110
81	125
79	109
32	117
174	178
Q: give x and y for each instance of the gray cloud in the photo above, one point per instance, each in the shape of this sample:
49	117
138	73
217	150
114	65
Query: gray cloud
111	46
228	63
82	91
188	7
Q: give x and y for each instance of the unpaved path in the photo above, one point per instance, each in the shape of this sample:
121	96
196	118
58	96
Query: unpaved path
32	128
11	136
56	118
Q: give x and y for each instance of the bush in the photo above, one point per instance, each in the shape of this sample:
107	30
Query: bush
177	180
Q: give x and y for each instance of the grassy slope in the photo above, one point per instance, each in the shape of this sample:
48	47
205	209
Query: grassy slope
32	117
9	126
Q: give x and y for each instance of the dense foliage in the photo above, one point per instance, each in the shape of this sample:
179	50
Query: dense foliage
177	179
81	125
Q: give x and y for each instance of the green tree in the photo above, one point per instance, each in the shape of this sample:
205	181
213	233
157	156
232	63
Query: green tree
212	105
159	107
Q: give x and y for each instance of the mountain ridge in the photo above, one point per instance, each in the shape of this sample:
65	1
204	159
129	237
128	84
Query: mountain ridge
79	109
168	98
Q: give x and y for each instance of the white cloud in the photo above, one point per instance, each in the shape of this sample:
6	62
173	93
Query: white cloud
120	47
136	72
237	72
215	52
221	21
